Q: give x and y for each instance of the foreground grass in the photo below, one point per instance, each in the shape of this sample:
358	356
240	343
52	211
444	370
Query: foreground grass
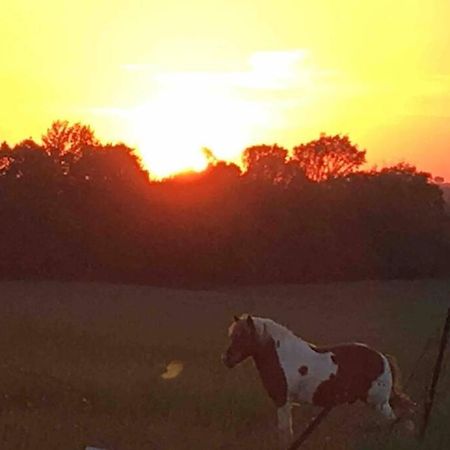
81	363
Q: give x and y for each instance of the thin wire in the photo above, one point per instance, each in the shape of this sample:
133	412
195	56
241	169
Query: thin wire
425	349
418	360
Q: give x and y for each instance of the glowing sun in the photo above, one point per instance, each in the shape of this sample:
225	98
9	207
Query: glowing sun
189	112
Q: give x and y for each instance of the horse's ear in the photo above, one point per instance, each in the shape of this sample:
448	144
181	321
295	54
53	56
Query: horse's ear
236	318
250	322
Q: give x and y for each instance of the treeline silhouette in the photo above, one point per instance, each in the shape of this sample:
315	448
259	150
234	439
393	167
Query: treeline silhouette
74	208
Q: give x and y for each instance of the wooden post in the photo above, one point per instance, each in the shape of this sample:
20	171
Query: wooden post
436	373
302	438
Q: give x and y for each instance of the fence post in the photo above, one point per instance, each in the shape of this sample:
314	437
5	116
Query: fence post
316	421
436	373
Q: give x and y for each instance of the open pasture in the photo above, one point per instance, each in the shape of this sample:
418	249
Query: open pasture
83	363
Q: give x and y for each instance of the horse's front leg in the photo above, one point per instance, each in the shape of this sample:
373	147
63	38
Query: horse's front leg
285	432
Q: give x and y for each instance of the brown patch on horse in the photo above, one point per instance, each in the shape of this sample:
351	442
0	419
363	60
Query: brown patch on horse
303	370
270	370
358	367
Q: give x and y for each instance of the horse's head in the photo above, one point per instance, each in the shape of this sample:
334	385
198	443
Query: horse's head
244	341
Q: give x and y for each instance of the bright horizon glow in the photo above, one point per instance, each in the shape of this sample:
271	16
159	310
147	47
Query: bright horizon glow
172	77
191	111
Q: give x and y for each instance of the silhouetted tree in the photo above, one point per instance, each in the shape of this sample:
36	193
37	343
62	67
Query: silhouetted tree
210	156
30	209
269	164
65	143
328	157
4	146
25	160
4	157
115	164
402	213
265	162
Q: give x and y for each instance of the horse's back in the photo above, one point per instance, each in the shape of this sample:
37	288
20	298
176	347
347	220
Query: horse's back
354	356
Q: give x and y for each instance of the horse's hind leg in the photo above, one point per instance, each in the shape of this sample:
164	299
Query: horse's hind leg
386	410
379	394
379	397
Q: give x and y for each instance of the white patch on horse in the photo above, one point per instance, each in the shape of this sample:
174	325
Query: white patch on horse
293	353
380	392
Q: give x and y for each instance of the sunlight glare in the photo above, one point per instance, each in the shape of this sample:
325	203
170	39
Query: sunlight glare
173	370
192	111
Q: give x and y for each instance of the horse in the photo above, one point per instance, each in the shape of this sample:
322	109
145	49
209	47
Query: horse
294	371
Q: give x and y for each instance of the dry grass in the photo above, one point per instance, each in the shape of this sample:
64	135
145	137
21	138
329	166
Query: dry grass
82	363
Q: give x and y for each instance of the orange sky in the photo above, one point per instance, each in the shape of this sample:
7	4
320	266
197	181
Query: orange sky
173	76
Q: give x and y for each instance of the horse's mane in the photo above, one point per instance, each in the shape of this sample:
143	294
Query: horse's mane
274	329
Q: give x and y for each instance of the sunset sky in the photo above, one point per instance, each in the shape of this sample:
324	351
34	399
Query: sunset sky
173	76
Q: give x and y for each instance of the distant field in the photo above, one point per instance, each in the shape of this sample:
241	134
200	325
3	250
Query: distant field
81	363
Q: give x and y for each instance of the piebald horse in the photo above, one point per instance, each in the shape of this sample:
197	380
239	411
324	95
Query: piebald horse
294	371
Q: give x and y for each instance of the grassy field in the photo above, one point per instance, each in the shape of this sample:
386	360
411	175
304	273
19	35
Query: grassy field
82	363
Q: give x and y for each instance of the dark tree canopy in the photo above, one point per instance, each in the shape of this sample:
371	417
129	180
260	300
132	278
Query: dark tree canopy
328	157
62	138
65	143
115	164
265	162
76	208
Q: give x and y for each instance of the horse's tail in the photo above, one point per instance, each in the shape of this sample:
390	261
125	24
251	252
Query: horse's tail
400	402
